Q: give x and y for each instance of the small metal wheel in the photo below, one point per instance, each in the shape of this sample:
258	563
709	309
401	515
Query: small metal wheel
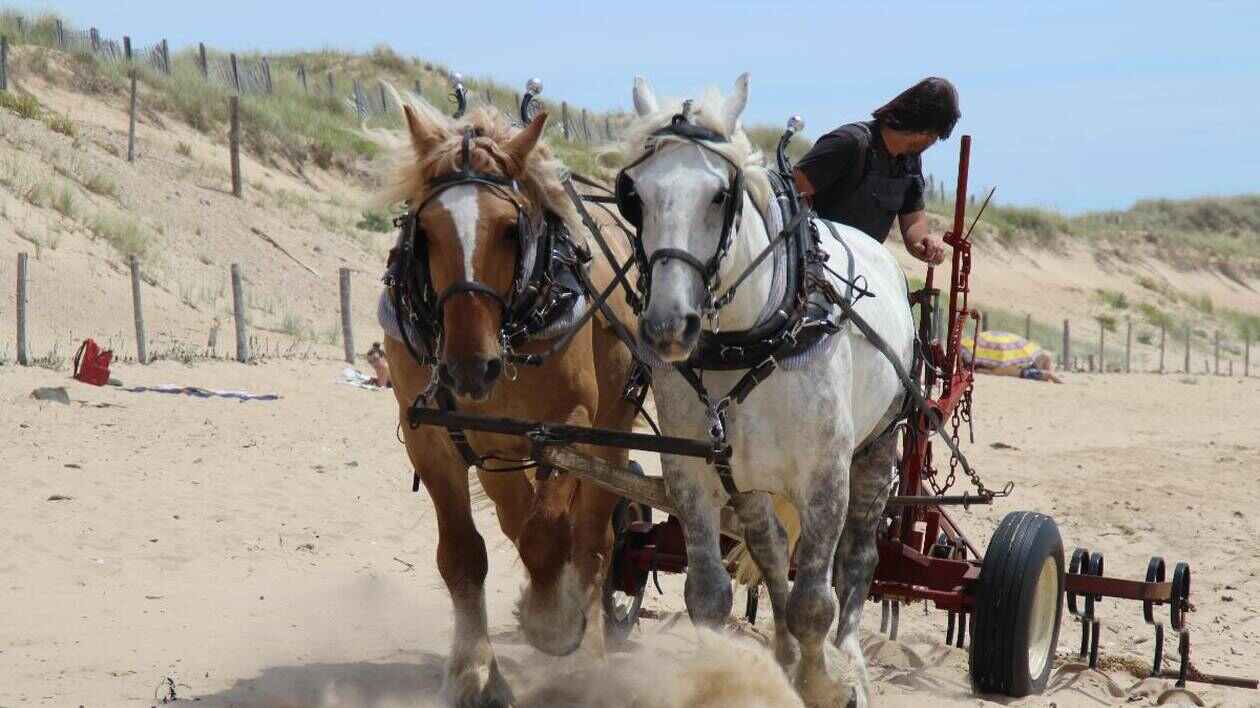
1018	604
621	609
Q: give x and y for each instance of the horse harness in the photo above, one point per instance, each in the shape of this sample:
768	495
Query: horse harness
804	317
548	281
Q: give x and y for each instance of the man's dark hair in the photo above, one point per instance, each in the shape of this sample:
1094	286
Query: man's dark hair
930	106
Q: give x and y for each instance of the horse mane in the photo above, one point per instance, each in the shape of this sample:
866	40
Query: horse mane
707	113
539	181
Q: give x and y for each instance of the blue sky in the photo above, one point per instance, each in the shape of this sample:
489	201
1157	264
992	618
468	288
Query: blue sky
1072	105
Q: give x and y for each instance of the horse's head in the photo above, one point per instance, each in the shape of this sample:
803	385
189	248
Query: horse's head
470	218
682	192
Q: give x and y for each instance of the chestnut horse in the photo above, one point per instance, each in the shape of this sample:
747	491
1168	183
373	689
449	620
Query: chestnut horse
472	234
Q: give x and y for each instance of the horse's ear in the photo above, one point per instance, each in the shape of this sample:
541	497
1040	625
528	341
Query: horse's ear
424	135
644	98
736	102
521	144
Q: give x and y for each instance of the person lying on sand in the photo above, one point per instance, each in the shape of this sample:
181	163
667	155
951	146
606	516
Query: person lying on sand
1040	370
376	357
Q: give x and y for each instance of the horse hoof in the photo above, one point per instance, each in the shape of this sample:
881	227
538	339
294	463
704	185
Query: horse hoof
787	653
555	641
481	688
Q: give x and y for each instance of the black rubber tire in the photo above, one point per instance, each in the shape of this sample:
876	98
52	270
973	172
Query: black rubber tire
1001	626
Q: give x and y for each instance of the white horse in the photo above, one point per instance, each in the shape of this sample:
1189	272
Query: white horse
801	433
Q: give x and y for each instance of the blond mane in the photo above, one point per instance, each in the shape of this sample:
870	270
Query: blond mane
539	181
706	113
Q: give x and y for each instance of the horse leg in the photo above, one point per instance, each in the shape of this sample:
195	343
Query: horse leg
856	556
473	679
554	606
811	606
707	590
767	544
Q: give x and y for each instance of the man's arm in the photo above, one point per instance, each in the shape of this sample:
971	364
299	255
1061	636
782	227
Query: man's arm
919	240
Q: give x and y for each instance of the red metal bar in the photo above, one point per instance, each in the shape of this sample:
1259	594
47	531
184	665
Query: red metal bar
1117	588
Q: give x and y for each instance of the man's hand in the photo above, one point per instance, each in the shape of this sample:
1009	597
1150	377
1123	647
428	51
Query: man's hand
928	248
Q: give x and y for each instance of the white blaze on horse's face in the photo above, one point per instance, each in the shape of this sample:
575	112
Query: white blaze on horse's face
680	188
463	205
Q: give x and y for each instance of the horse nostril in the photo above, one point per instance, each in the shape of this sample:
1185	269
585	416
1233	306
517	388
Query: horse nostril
494	368
691	329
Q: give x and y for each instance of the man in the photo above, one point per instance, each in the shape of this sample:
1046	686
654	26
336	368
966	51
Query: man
865	174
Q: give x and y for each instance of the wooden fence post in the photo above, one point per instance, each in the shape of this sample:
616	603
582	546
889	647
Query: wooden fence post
1231	368
166	58
418	91
127	48
608	128
1163	334
332	86
238	309
1028	326
234	143
384	99
131	121
236	74
1091	363
1128	348
22	356
347	325
4	63
96	40
301	72
1216	353
586	128
21	26
984	321
266	70
1067	343
564	118
142	353
1188	335
1102	349
359	106
1247	354
202	60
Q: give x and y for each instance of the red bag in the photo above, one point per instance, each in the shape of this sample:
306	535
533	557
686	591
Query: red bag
91	364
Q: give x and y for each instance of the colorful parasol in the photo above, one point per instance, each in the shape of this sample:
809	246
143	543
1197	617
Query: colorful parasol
1000	349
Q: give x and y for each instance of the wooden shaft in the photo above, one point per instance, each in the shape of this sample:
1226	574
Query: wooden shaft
234	144
22	355
347	326
142	354
238	309
646	490
131	121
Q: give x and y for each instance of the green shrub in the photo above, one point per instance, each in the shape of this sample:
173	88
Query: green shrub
124	234
377	221
22	105
61	124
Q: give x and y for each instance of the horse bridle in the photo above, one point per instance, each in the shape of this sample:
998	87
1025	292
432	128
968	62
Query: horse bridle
631	208
427	314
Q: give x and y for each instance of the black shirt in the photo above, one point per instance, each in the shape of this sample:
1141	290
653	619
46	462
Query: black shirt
857	182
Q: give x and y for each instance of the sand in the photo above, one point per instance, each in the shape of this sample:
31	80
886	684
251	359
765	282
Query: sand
271	553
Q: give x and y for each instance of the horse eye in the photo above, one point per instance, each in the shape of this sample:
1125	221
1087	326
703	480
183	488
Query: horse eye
719	197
